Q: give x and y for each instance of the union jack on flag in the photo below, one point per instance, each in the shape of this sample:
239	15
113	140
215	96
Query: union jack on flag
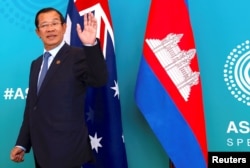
103	111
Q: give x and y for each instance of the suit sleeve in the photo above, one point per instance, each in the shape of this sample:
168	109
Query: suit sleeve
24	133
96	73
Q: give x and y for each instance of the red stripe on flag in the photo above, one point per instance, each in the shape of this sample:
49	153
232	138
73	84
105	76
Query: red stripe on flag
102	31
89	3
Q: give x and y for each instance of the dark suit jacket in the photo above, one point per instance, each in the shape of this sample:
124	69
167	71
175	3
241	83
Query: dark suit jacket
54	124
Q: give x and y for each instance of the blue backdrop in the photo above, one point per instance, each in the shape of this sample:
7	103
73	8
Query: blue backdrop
221	31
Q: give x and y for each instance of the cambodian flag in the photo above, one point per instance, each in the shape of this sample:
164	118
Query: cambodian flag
103	111
168	89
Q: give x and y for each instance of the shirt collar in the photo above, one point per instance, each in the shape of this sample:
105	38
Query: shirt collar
54	51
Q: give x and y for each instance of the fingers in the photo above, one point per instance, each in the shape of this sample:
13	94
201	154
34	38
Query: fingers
17	154
90	20
87	34
78	28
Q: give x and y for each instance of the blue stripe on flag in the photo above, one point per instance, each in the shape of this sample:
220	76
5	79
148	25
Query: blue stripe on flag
166	121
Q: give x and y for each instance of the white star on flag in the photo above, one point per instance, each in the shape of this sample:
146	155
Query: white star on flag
95	142
116	89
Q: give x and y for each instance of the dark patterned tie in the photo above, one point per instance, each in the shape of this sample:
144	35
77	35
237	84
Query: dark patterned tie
44	70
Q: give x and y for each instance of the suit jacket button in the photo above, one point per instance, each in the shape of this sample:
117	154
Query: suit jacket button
34	108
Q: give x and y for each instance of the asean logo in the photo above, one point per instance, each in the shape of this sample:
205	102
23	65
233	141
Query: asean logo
237	72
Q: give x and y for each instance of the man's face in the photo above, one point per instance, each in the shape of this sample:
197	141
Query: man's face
50	29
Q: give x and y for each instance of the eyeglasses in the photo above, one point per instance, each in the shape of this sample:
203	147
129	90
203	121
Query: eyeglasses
52	24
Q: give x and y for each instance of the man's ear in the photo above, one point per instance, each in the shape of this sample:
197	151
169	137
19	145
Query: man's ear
64	27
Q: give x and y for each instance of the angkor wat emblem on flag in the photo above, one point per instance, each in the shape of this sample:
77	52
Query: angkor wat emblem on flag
176	62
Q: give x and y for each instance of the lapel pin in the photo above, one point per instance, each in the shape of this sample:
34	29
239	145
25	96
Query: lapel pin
58	62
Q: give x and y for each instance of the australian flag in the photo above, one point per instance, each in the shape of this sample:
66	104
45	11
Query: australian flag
103	111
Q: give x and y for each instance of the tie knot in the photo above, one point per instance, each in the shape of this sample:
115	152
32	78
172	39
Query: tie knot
46	55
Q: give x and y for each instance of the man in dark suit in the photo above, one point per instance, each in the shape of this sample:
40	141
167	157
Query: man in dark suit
53	123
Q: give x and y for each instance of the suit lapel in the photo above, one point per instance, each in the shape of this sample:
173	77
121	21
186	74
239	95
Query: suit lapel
36	65
58	60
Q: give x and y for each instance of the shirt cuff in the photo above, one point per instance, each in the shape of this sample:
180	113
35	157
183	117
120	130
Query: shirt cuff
21	147
91	44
